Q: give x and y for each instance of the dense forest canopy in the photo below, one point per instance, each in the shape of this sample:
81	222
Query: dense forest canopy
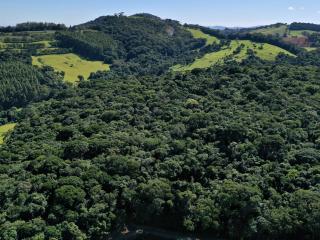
92	44
227	152
231	151
21	83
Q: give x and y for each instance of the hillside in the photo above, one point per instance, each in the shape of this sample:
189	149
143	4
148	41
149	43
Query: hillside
196	33
276	29
131	44
43	47
72	65
37	42
171	131
237	50
301	34
144	38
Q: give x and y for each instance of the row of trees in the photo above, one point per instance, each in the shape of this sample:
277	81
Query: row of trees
33	26
304	26
91	44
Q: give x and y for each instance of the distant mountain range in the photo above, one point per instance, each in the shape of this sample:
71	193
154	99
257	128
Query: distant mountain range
234	28
223	27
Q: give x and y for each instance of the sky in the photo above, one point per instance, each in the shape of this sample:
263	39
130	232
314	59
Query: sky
230	13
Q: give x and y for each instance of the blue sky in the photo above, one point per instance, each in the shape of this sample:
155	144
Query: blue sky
204	12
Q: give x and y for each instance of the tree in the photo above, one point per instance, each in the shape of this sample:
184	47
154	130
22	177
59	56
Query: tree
69	196
272	148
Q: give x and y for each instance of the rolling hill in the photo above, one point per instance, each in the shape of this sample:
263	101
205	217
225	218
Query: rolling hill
277	29
300	34
237	50
43	46
196	33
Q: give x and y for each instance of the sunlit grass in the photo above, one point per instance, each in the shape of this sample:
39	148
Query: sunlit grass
281	30
199	34
262	50
71	64
4	129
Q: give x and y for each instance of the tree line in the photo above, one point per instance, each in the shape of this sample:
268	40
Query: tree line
33	26
304	26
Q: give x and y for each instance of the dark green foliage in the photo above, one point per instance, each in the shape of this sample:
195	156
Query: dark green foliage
69	195
12	56
21	84
91	44
231	151
33	26
304	26
304	58
271	147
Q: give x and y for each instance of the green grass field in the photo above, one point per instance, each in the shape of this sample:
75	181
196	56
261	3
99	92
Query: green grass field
299	33
199	34
47	44
20	42
4	129
309	49
71	64
264	51
281	30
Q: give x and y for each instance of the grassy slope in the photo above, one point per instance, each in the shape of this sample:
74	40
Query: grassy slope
18	43
298	33
268	52
309	49
272	30
4	129
71	64
199	34
282	30
47	44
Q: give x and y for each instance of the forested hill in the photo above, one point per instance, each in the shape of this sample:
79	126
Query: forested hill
138	43
306	35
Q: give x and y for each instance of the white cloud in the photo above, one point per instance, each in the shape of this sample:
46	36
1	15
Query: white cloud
291	8
301	8
318	11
